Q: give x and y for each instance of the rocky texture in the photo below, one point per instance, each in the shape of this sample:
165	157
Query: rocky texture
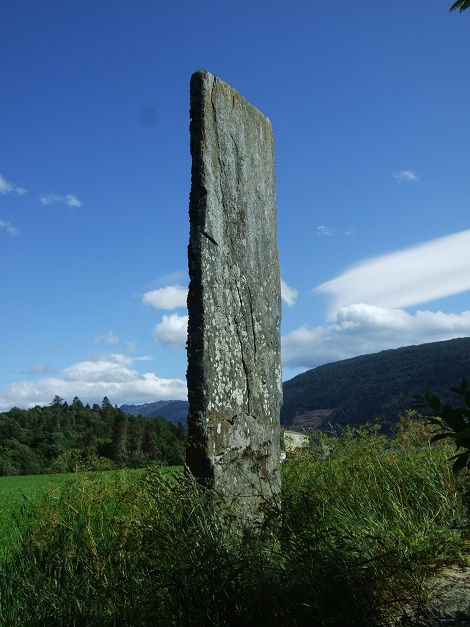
449	603
234	301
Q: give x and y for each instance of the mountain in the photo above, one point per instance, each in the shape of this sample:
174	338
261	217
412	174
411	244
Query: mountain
380	386
174	411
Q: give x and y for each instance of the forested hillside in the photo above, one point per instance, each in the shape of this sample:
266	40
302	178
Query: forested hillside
361	389
62	437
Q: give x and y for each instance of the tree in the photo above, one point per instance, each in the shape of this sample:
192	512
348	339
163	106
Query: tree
461	5
105	403
119	438
77	403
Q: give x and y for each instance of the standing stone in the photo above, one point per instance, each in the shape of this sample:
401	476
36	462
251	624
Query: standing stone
234	301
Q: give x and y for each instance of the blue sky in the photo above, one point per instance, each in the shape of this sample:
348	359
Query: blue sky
369	106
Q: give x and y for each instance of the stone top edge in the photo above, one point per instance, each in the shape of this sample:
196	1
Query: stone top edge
201	77
201	74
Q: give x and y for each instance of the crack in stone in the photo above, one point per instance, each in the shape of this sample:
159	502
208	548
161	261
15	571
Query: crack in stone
242	351
210	238
253	327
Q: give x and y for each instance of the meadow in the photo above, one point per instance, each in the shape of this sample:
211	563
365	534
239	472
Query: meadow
359	534
18	495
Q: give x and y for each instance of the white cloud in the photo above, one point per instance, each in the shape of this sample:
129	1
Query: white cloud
172	330
111	376
107	338
49	199
406	175
9	228
70	200
328	231
362	329
323	231
8	188
288	294
170	297
416	275
5	186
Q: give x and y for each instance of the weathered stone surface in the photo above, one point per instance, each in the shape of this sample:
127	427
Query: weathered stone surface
234	301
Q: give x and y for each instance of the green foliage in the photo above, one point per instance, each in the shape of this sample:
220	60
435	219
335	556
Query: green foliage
461	5
452	420
358	533
61	437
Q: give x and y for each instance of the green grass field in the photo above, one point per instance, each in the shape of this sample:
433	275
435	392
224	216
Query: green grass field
18	494
21	493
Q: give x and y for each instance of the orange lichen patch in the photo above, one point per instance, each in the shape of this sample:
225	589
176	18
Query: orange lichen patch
223	89
236	99
276	259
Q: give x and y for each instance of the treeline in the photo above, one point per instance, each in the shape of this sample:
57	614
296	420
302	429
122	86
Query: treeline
63	438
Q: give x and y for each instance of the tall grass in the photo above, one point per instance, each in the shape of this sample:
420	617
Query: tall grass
394	504
357	536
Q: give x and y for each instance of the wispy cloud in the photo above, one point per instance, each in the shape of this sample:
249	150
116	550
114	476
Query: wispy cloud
328	231
171	331
412	276
39	368
169	297
406	176
112	376
288	294
70	200
362	329
9	228
107	338
8	188
324	231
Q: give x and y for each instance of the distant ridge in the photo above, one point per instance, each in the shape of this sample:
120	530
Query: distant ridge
174	411
379	386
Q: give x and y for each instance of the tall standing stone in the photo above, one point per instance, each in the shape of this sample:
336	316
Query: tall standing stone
234	301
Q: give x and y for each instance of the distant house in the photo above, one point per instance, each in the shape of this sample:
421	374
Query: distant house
295	440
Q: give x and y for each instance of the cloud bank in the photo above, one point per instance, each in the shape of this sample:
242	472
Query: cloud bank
363	329
416	275
112	376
